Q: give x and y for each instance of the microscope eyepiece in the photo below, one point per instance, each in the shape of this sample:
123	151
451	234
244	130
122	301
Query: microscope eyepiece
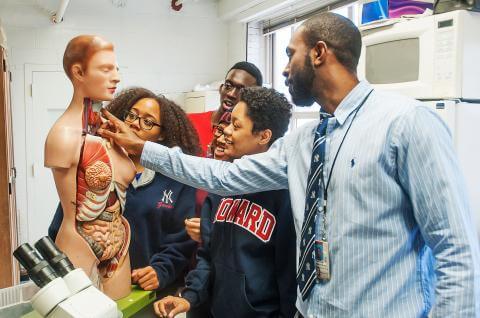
37	268
52	254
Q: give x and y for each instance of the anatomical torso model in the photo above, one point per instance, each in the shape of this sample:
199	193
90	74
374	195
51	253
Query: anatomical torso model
90	173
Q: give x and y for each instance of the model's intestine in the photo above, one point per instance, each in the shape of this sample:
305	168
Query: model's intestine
100	202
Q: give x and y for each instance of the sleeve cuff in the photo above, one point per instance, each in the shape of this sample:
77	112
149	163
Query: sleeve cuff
191	297
162	281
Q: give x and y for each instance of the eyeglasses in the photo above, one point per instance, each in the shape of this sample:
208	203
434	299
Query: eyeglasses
228	86
218	130
145	124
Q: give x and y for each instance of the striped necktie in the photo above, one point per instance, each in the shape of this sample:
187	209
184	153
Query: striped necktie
306	273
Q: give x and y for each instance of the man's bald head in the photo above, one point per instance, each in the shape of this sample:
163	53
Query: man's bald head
339	33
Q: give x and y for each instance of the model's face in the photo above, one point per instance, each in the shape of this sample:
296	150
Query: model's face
299	73
219	143
239	138
230	89
101	76
148	111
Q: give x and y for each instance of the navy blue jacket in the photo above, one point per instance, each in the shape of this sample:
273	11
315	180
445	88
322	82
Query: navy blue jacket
156	207
246	265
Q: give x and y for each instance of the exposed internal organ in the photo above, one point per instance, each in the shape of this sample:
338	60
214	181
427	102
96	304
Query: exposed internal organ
94	179
98	176
106	236
100	202
121	192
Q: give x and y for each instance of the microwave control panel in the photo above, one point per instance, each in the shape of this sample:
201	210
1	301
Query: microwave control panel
445	48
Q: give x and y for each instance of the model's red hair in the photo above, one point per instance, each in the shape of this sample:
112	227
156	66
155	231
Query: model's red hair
80	50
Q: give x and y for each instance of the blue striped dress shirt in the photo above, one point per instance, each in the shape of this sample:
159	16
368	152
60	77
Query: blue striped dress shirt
402	239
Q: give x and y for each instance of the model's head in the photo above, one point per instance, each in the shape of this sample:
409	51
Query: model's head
320	47
155	118
261	116
241	75
90	63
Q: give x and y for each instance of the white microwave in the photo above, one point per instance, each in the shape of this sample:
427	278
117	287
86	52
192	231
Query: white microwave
433	57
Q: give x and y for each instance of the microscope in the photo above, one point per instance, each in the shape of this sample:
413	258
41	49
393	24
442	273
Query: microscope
65	292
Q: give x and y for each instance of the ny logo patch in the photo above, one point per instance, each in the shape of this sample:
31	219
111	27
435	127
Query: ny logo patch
167	197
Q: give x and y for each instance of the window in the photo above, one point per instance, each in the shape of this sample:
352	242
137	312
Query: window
276	60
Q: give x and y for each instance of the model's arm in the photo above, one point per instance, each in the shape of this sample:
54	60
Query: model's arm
62	153
428	171
62	147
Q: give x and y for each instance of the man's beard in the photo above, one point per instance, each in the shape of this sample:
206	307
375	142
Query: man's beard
300	87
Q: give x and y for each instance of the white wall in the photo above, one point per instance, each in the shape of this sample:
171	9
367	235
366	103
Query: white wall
157	48
234	11
3	37
237	42
237	45
256	47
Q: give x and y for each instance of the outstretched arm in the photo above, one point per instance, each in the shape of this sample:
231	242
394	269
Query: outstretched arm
260	172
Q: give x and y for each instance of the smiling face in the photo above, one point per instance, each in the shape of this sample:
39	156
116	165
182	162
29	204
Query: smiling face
230	89
219	144
147	109
100	79
299	72
240	140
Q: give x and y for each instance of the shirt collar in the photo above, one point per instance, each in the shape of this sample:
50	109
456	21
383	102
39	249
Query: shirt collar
146	178
352	101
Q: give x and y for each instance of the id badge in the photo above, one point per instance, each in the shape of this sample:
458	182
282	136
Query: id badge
322	260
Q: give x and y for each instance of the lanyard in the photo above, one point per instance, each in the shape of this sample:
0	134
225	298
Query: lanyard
325	189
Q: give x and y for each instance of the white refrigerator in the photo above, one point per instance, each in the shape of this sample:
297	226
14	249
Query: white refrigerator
463	119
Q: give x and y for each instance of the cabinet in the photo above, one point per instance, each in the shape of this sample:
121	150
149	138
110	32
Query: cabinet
8	237
199	102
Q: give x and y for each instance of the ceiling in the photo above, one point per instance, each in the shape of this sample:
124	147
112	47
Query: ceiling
37	13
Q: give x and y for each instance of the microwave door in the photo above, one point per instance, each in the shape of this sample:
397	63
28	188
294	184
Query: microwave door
399	58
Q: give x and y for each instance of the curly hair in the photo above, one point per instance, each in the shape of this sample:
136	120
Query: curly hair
268	109
177	128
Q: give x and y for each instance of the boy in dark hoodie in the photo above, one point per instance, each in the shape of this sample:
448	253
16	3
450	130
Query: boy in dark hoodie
246	265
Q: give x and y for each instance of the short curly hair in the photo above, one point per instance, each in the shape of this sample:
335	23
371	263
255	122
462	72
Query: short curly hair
268	109
177	128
